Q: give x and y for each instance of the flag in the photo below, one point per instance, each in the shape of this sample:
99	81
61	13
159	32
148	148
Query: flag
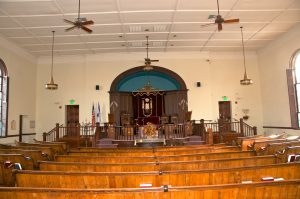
93	116
98	114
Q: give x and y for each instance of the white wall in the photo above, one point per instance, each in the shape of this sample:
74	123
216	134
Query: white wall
78	75
273	61
21	68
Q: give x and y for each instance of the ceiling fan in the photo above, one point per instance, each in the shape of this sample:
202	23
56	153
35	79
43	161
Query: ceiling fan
220	20
80	22
148	61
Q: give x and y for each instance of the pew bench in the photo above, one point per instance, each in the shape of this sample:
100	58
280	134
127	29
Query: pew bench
288	189
135	159
158	166
155	152
91	180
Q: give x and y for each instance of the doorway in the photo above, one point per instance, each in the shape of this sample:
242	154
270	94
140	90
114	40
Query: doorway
224	116
72	119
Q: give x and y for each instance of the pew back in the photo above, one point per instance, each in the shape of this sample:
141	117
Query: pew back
158	166
135	159
260	190
155	152
90	180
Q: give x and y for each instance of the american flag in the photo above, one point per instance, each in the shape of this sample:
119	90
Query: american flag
93	116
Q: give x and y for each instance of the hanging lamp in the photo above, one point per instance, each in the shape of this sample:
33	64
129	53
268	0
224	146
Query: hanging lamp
52	85
246	81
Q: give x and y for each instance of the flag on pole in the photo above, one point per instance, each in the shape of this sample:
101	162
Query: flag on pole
98	114
93	116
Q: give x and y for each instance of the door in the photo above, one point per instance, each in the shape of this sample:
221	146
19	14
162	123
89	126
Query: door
72	119
224	116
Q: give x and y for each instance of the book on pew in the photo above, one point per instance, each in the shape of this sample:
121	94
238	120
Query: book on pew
247	182
294	158
278	179
145	185
267	179
18	166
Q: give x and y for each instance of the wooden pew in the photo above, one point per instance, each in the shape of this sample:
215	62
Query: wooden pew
26	162
157	153
90	180
36	155
158	148
272	148
246	143
135	159
7	178
283	155
260	145
47	152
63	144
289	189
57	148
6	175
158	166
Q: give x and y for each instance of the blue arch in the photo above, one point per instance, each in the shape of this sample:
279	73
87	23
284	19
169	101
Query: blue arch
137	80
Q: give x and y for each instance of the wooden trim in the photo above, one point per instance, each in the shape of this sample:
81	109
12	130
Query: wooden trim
17	135
280	127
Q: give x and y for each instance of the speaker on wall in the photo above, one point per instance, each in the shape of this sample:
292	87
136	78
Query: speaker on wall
198	84
97	87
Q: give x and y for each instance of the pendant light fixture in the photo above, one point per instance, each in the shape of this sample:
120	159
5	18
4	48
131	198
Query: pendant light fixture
245	81
148	61
52	85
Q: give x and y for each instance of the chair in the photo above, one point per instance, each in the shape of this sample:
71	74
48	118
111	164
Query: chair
164	119
111	118
174	119
188	116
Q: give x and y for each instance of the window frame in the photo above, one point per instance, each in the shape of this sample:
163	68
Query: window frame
292	83
4	77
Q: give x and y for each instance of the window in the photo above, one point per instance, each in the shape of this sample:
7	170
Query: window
3	99
293	80
296	67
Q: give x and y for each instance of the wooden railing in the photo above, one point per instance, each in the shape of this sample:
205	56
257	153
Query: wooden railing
88	133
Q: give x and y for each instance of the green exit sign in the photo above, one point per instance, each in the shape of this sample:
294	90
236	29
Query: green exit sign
72	101
225	98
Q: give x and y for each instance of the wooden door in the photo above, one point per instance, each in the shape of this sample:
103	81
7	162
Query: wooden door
224	116
72	119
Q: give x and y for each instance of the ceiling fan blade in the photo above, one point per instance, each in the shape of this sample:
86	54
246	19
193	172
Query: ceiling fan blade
208	24
70	22
86	29
155	60
220	27
90	22
212	16
71	28
232	21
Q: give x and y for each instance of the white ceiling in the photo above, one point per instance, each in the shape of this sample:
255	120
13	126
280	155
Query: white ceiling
121	25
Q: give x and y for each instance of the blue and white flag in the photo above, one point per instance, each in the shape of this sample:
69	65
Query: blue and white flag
98	114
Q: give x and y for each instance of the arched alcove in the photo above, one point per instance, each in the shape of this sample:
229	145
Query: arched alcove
174	97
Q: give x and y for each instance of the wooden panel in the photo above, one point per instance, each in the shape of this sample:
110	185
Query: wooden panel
91	180
125	159
35	155
157	153
285	189
167	166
